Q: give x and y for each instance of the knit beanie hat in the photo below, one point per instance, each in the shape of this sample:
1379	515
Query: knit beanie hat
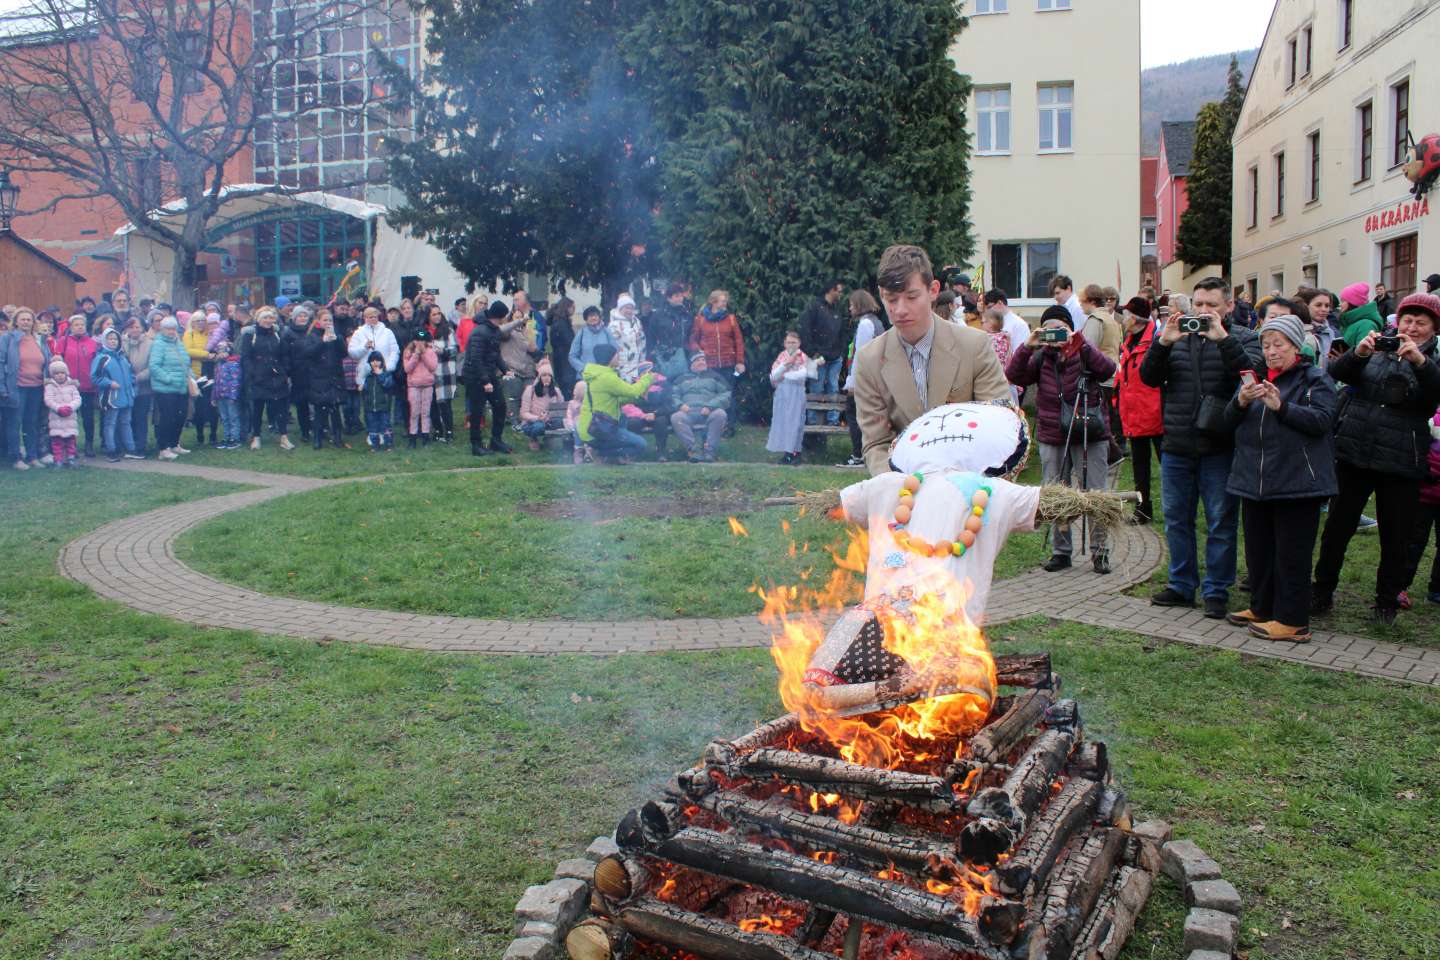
58	366
1427	302
604	353
497	311
624	300
1138	306
698	355
543	365
1057	312
154	315
1356	295
1289	326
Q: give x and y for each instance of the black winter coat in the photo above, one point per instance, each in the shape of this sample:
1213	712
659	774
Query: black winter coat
1384	419
666	330
1174	370
1286	454
295	340
324	374
822	334
263	358
482	356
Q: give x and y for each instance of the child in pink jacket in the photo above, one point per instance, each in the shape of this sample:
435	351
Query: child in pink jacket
62	400
420	362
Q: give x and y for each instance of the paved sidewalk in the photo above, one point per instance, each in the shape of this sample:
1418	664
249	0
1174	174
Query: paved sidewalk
124	559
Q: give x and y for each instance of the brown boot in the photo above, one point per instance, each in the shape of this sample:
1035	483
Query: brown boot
1275	630
1242	617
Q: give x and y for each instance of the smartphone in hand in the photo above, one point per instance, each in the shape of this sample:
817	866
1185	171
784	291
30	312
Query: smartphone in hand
1248	378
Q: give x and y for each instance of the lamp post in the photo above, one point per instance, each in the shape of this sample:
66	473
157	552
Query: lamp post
9	196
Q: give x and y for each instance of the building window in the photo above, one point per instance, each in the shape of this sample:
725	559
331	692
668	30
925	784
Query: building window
1056	114
1347	23
1397	265
1277	282
1024	269
1365	124
1306	50
991	6
1291	60
1280	184
1252	197
1312	143
992	120
1147	235
1400	122
1052	4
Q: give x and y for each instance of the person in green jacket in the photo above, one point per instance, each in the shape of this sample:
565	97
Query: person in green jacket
1361	315
701	398
604	393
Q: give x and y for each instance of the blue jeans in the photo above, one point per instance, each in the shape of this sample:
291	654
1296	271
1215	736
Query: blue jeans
1184	483
230	426
622	443
828	381
534	429
33	422
140	421
377	428
115	426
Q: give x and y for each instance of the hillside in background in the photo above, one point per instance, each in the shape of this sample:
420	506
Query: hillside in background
1177	91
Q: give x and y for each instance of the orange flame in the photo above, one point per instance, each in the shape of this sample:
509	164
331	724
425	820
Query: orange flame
763	924
737	528
938	642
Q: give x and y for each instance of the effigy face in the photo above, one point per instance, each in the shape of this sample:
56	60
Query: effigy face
987	437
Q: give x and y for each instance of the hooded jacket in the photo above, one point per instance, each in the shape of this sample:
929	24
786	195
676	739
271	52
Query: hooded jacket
169	365
77	352
604	392
113	378
1139	402
719	338
381	340
264	358
420	368
63	396
587	338
483	363
1357	323
1285	454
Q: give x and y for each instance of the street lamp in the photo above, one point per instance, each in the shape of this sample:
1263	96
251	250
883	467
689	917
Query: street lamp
9	196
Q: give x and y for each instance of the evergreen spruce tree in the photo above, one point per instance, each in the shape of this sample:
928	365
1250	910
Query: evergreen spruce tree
1203	236
530	155
802	137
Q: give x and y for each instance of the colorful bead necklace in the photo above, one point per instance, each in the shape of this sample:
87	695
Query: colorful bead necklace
963	540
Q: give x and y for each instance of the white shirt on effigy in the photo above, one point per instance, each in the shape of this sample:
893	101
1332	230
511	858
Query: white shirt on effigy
939	513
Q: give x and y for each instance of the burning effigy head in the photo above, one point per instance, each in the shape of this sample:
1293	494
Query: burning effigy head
989	438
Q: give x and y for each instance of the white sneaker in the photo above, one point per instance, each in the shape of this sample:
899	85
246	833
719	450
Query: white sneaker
133	456
285	444
255	444
21	465
48	460
168	455
179	449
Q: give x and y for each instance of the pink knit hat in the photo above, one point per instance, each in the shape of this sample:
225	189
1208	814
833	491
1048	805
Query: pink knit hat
1356	295
1421	301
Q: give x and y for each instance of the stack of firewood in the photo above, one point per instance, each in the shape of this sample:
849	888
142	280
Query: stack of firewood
1013	844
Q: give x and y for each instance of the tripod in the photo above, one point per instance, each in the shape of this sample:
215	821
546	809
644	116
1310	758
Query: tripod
1079	414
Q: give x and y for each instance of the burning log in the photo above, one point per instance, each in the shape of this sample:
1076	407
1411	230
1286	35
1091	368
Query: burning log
1113	919
1073	890
829	775
1000	813
994	743
1113	808
836	888
817	923
1090	760
721	753
694	933
1042	844
1024	670
1064	714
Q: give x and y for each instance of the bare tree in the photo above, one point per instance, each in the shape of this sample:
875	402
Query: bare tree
149	102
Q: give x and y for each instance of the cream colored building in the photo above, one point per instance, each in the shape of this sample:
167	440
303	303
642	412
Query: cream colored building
1319	194
1055	143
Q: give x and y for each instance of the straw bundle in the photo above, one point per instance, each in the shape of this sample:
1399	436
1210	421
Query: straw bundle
1062	505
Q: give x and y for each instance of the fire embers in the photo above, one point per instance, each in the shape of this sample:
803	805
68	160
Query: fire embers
1009	842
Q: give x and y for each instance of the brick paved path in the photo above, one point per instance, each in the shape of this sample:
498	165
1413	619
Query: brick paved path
126	559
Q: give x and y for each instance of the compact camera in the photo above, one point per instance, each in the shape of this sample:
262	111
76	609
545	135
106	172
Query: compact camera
1053	335
1387	344
1194	323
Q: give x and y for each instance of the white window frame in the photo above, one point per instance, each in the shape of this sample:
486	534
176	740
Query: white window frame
1049	6
1392	102
1307	50
985	120
1277	279
1252	196
984	8
1363	176
1149	235
1292	60
1345	40
1024	296
1278	185
1048	115
1314	165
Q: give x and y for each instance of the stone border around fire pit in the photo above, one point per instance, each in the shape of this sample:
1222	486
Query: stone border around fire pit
546	913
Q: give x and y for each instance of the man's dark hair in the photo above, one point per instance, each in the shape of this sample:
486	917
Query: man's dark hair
947	298
591	312
1299	309
901	262
1286	306
1213	283
995	295
831	286
459	301
1060	282
674	289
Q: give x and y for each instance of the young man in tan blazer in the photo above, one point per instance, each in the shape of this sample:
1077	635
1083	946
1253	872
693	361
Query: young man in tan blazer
919	363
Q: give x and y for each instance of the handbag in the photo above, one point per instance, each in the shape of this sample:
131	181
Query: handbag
603	427
1210	415
1078	427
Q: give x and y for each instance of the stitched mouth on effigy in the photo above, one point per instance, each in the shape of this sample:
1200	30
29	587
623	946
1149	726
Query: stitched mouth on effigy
946	438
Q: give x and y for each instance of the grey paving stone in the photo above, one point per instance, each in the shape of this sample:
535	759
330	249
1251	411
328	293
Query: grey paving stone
531	948
580	868
1186	863
1213	895
1211	930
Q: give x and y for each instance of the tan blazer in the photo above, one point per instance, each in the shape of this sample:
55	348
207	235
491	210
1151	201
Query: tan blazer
963	367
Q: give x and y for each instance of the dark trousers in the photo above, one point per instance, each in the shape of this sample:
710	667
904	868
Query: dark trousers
327	415
302	415
172	418
140	420
205	415
495	400
442	418
852	421
1429	520
1279	542
350	410
1397	509
279	409
1140	450
89	403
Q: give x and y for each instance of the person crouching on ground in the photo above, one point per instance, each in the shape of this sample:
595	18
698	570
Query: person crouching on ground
62	400
1283	472
600	424
1071	423
702	398
420	365
1382	439
787	410
375	386
535	404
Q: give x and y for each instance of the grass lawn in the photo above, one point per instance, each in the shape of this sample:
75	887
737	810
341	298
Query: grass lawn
173	792
462	544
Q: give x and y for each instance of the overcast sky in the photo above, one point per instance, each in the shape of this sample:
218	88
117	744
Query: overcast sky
1173	30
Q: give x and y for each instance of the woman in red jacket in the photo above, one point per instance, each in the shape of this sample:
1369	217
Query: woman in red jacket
77	348
715	332
1139	404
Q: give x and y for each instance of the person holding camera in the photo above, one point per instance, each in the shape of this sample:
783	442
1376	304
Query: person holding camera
1283	472
1382	439
1196	363
1074	431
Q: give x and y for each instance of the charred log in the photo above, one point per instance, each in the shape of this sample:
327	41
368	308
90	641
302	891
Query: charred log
1000	813
1024	670
1064	714
829	775
1072	892
1090	760
817	924
1113	919
1030	865
994	743
707	936
722	752
836	888
1113	808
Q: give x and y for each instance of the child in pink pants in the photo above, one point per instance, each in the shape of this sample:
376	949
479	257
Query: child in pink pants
420	363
